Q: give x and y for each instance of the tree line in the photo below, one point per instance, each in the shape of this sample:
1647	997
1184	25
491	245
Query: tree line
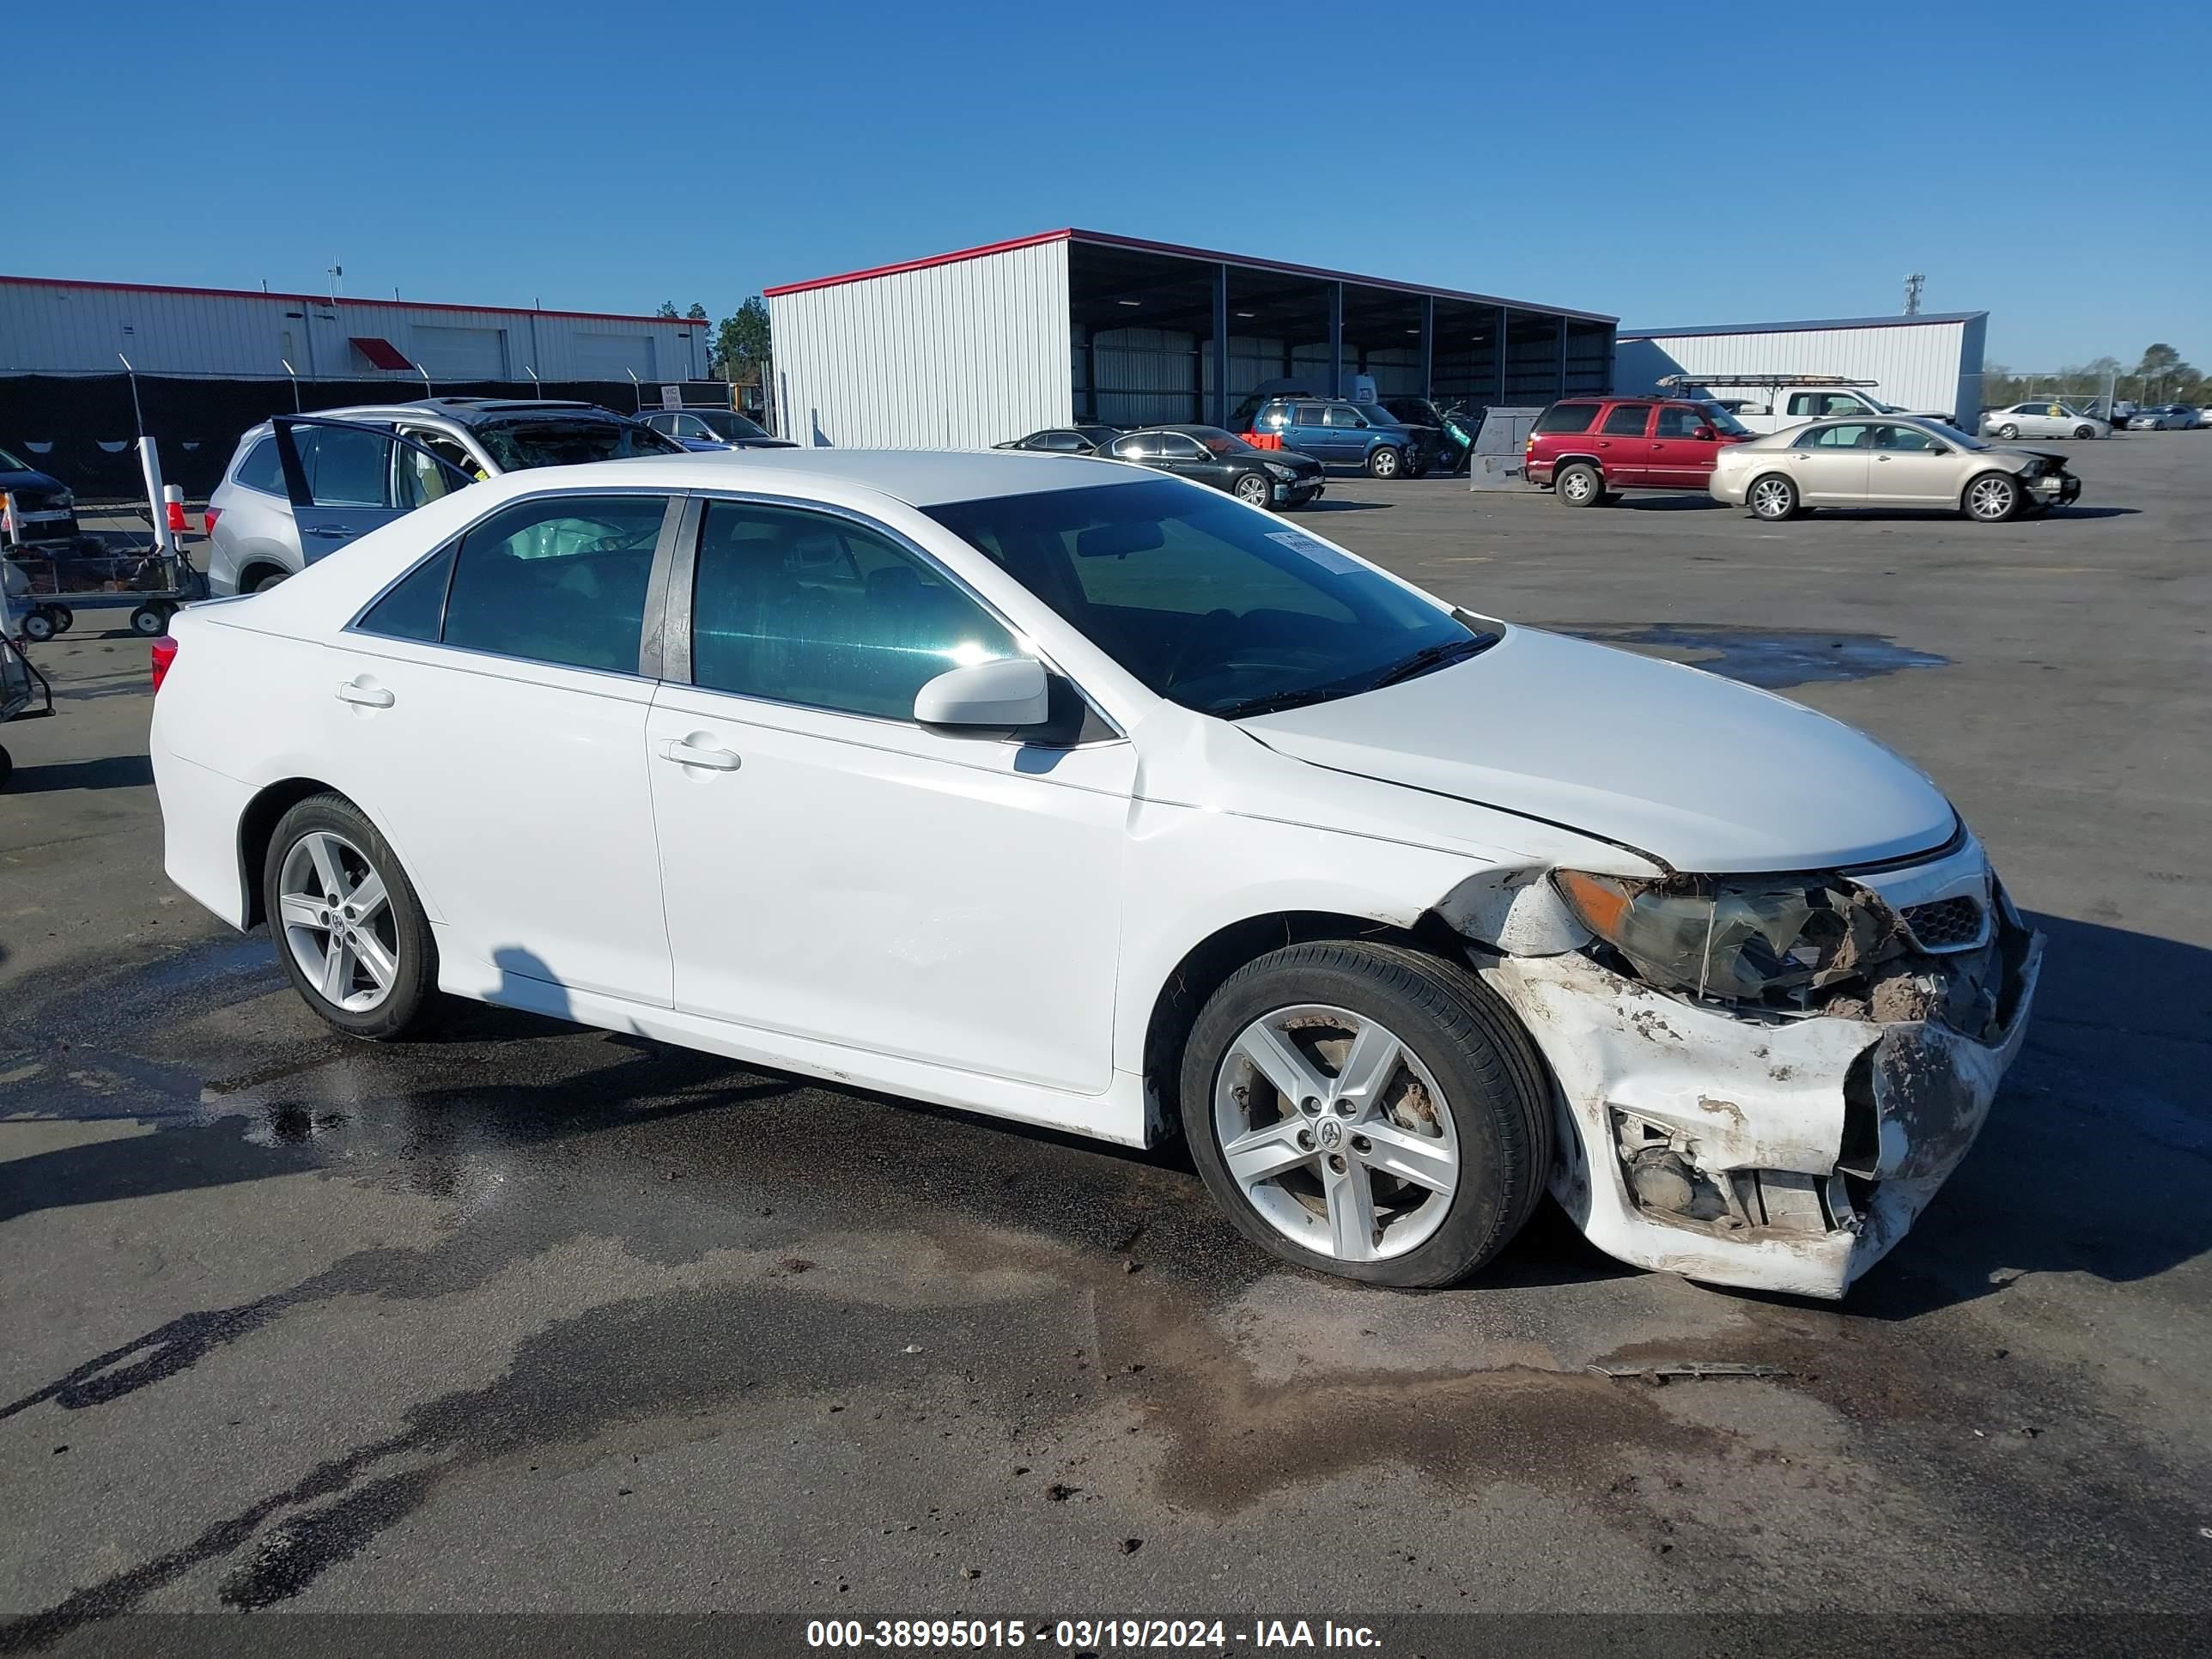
739	348
2160	376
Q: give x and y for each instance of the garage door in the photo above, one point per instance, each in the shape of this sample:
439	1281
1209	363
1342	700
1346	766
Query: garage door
614	356
459	354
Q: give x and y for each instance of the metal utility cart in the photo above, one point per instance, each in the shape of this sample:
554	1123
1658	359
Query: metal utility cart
63	578
24	693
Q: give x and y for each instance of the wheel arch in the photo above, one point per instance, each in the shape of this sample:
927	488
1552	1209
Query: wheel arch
1973	478
257	826
1202	970
256	566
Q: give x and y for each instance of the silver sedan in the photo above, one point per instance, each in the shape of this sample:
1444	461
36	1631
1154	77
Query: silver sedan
2045	417
2164	418
1896	462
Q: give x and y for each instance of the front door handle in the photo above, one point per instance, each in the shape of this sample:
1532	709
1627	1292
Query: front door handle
369	696
326	530
689	752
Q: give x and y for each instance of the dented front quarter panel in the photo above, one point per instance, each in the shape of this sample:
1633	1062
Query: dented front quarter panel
1733	1093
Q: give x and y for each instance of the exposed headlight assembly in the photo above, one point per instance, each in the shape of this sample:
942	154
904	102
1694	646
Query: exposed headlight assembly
1738	938
1281	471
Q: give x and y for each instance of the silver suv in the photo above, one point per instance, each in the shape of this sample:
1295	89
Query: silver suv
387	459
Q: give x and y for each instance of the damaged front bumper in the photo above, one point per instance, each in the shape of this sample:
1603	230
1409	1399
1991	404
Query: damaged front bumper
1776	1152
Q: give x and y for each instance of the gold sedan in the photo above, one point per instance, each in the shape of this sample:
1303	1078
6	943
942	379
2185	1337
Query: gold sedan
1903	461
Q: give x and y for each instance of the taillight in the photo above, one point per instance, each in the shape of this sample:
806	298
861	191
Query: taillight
165	657
209	516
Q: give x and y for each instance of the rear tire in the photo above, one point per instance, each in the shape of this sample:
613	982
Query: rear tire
1772	497
148	622
1385	463
263	584
65	618
1460	1098
1992	498
2008	432
1578	485
330	882
39	625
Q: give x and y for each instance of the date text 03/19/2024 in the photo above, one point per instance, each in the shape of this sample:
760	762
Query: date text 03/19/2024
1090	1635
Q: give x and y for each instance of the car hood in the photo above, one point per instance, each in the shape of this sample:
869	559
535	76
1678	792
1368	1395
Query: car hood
2011	455
1693	771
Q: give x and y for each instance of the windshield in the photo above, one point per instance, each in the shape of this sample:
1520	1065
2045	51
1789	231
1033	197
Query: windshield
536	441
1952	434
1418	411
728	423
1206	602
10	462
1721	420
1217	441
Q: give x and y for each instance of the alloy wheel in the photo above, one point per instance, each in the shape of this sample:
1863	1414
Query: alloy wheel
1578	486
1770	499
1252	489
1385	463
1991	499
1335	1134
338	921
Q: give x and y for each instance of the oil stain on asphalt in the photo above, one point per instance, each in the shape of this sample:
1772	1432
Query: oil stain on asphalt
1771	659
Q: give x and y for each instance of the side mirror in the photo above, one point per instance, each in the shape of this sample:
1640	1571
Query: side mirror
1705	434
1006	692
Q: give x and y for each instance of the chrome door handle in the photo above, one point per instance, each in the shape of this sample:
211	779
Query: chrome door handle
685	753
369	696
326	530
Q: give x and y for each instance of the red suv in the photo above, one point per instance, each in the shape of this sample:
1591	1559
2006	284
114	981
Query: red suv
1586	448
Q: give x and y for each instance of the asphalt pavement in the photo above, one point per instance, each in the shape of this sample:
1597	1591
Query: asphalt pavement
526	1319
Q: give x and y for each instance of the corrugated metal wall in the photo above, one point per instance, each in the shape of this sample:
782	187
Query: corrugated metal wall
951	356
55	328
1933	366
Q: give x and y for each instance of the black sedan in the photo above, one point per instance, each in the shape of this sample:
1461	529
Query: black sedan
1065	439
1280	478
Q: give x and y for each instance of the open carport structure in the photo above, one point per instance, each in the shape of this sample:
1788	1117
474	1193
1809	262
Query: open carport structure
967	349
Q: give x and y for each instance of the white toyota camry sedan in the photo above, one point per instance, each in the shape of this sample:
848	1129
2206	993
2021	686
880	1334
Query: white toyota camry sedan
1058	790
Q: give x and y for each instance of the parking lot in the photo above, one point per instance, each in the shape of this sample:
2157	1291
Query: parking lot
534	1318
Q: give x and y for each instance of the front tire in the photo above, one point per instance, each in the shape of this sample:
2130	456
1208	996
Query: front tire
1992	499
1369	1111
1773	498
1385	463
349	928
2085	431
38	626
1250	488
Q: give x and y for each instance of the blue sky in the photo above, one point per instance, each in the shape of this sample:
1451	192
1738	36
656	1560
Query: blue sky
1672	164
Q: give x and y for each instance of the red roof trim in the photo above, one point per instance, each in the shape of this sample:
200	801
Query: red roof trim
1105	240
344	300
923	263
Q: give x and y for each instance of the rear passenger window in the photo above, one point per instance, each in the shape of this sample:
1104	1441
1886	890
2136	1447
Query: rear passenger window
1567	417
799	607
1676	421
1628	420
261	470
415	608
560	580
1307	415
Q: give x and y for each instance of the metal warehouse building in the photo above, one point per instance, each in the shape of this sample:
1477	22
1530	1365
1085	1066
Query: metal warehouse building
1932	362
53	327
964	349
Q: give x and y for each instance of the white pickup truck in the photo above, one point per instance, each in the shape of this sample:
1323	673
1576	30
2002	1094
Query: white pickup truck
1775	406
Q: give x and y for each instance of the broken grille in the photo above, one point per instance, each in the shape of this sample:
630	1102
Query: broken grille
1951	924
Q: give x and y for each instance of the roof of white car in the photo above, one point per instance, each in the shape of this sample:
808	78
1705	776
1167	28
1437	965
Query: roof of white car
920	477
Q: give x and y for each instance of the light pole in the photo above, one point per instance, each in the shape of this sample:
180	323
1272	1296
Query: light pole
137	418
